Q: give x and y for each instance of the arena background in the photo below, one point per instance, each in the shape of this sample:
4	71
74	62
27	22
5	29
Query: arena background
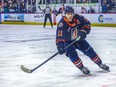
30	11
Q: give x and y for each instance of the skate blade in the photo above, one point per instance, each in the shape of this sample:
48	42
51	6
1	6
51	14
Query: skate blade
103	71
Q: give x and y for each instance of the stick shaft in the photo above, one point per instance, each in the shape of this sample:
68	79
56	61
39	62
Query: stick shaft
52	56
32	70
44	62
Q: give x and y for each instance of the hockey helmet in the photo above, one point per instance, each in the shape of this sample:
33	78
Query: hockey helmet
69	9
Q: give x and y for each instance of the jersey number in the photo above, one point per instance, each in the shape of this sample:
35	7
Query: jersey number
60	33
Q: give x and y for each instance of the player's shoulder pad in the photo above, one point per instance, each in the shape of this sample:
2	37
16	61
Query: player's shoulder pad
83	18
78	16
61	23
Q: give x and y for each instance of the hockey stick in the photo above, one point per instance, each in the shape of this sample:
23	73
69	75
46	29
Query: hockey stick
32	70
39	8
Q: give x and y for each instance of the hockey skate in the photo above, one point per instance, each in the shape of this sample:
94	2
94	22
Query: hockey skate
85	71
104	67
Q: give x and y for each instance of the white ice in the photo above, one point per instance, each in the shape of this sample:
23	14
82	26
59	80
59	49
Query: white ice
30	45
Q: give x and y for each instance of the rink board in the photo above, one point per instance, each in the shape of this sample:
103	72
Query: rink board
38	19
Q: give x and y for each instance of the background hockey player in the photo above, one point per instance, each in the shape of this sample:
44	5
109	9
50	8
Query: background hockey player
69	28
48	13
61	10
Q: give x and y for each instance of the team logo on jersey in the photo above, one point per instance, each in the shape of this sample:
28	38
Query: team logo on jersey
60	24
74	34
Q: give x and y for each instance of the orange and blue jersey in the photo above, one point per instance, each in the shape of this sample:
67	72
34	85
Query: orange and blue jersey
68	31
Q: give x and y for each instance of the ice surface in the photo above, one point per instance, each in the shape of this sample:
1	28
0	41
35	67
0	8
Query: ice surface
30	45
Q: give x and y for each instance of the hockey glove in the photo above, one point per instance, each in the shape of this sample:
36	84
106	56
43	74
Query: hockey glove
82	35
61	49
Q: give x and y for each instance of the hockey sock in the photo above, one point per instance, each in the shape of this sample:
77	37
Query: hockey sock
79	64
75	59
97	60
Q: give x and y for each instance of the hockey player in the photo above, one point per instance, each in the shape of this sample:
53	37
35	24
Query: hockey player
61	10
69	28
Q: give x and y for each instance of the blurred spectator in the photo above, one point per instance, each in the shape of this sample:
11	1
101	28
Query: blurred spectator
108	4
104	6
19	6
83	10
84	1
33	6
5	8
22	8
113	3
78	1
10	8
61	1
29	8
71	1
94	1
91	10
34	9
33	2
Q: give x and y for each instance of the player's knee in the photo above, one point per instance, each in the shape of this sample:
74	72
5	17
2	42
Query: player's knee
72	55
89	51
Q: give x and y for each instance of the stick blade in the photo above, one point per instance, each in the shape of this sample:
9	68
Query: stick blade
25	69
